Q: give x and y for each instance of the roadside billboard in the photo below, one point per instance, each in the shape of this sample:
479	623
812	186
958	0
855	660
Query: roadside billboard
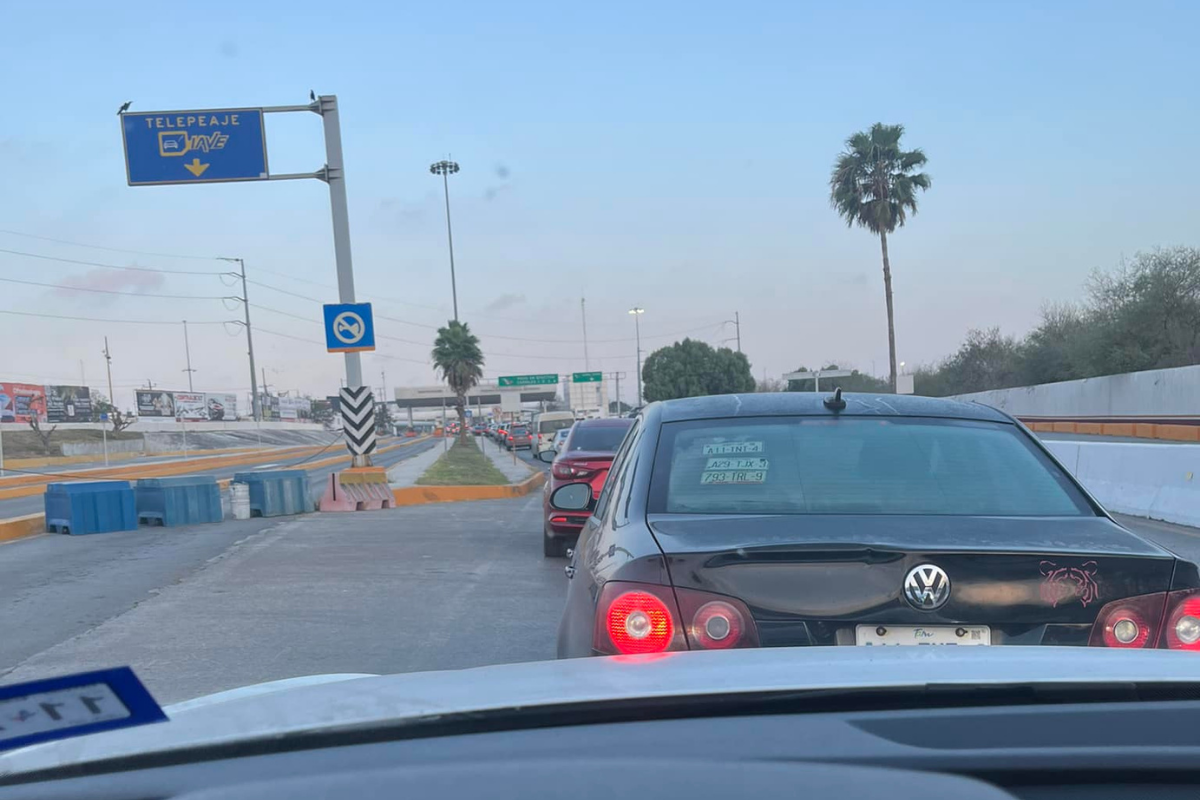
68	404
190	406
221	406
293	408
155	404
21	402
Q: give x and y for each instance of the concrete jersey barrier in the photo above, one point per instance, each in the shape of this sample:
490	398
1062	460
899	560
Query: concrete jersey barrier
1159	481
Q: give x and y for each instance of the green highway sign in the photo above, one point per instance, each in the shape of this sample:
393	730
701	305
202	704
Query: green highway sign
528	380
587	377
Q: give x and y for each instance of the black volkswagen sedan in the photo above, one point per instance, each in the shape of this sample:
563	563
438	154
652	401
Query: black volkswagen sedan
800	519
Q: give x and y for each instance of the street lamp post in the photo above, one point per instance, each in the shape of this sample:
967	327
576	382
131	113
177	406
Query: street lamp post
446	169
637	326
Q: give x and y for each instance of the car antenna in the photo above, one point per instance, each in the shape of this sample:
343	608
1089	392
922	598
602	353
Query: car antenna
835	402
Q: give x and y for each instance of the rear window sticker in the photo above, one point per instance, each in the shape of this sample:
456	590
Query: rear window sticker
736	463
732	448
729	477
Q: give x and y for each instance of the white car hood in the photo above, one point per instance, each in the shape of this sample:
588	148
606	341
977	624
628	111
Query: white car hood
324	702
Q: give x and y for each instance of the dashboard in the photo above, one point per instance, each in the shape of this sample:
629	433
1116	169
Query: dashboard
1149	750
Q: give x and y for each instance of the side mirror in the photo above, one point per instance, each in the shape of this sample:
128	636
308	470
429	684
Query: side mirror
546	456
572	497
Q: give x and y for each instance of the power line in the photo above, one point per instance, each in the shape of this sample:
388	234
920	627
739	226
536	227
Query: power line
102	247
118	321
115	291
111	266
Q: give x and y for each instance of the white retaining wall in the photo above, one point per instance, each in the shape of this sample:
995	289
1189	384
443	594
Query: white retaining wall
1159	481
1153	393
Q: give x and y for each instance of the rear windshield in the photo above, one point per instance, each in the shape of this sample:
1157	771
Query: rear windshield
600	438
797	465
519	429
552	425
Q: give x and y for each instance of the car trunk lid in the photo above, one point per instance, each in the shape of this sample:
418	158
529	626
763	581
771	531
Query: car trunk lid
813	578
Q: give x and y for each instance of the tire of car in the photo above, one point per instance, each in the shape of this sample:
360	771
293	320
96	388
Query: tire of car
553	546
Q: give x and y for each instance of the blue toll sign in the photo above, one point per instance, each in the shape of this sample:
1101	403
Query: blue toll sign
349	328
194	146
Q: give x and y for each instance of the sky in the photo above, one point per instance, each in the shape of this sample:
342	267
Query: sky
672	155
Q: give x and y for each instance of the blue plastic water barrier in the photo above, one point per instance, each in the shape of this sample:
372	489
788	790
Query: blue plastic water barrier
83	507
274	493
179	501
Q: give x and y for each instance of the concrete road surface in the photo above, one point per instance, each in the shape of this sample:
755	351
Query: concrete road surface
201	609
212	607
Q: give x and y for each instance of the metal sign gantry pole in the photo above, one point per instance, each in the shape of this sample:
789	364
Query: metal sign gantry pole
334	174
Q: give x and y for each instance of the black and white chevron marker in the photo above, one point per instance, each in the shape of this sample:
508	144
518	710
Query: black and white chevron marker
358	419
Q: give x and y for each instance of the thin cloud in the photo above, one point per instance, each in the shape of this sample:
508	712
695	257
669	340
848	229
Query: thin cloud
505	301
123	280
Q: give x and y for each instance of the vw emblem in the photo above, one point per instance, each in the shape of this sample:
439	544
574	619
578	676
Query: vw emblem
927	587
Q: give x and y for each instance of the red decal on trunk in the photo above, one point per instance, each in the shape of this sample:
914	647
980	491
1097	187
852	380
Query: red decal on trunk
1062	584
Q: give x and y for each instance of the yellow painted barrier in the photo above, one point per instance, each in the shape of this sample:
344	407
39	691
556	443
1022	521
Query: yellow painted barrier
33	524
20	527
56	461
1178	433
420	495
29	485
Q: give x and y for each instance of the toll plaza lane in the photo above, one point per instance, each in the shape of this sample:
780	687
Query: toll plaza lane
34	504
206	608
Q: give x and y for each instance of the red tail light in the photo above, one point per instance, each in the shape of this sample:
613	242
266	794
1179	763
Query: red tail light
637	621
644	618
1182	629
565	471
1130	623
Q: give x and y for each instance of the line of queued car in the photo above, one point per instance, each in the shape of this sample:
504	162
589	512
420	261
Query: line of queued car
793	519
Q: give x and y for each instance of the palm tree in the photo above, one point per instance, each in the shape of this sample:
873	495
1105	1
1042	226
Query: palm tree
874	184
456	353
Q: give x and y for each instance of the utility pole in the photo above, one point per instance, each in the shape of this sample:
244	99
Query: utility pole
383	384
149	384
264	374
617	377
108	367
255	406
188	352
637	312
583	312
736	322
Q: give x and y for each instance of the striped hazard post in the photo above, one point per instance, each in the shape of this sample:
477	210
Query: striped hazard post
358	419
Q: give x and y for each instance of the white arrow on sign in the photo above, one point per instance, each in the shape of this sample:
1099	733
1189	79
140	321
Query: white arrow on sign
349	327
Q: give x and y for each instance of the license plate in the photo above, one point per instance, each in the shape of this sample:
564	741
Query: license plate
870	635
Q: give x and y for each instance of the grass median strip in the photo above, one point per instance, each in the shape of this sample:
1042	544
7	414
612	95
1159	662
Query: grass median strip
463	465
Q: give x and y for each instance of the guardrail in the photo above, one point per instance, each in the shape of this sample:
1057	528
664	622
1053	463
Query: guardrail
1158	481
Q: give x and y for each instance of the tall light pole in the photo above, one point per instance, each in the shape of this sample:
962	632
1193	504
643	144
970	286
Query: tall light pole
446	169
637	326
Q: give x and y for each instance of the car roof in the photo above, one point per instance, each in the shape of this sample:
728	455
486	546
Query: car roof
812	404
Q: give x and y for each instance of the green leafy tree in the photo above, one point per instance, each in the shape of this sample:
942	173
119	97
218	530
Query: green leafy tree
692	369
1143	315
457	355
874	184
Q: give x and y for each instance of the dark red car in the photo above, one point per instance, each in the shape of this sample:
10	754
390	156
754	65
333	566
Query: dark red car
586	456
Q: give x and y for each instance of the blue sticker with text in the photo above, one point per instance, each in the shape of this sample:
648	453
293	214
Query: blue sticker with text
74	705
